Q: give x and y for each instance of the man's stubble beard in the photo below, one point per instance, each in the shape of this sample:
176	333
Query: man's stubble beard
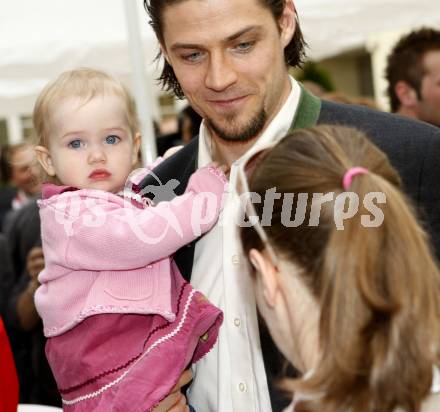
238	133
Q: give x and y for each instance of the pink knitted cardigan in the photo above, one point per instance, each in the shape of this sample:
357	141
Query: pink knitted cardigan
104	254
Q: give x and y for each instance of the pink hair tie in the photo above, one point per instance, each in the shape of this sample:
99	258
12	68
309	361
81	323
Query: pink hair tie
350	175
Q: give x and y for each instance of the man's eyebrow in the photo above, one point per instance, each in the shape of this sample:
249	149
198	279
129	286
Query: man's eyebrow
228	39
240	33
177	46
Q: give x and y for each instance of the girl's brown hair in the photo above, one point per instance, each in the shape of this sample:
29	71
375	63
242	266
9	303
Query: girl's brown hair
377	287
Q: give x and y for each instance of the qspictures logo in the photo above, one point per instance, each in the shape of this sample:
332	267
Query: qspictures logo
166	214
294	208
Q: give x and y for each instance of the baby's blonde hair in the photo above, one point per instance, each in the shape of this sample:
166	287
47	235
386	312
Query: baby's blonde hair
83	83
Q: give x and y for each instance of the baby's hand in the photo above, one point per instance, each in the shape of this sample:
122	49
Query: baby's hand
221	171
210	179
224	169
209	182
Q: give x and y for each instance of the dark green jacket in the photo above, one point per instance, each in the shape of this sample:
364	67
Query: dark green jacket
413	148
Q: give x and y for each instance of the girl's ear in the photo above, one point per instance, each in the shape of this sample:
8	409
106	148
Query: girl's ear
45	160
269	275
136	145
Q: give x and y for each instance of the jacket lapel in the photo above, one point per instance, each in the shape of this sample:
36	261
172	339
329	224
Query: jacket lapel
309	109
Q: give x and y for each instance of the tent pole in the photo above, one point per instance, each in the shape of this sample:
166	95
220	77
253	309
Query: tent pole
15	129
140	86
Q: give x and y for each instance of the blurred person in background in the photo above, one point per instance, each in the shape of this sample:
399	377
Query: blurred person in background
189	124
20	173
413	75
7	192
21	227
23	323
6	273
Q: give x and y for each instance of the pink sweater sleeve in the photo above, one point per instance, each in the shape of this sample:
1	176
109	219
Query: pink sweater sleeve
132	238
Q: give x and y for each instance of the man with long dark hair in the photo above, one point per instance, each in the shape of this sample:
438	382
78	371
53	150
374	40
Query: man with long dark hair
230	59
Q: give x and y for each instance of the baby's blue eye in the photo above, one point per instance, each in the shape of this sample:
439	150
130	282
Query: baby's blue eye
75	144
112	139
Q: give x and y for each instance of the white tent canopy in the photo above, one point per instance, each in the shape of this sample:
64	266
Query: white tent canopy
39	39
332	27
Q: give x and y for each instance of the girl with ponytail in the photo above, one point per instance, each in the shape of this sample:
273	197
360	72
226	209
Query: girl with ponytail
355	307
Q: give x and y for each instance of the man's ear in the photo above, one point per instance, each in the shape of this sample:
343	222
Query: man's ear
45	160
269	275
287	23
137	139
406	94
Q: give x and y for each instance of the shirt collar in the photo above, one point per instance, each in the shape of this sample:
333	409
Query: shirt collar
277	128
435	387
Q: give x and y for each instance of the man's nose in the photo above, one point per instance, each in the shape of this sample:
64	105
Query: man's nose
220	73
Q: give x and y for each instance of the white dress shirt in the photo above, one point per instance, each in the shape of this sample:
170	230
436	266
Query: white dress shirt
232	376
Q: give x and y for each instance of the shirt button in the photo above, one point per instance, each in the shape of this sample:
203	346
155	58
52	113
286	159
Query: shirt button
237	322
242	387
235	259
